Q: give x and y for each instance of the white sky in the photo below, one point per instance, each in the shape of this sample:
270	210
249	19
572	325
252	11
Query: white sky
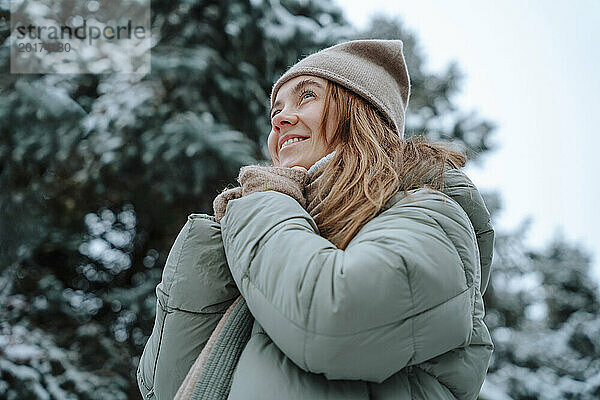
532	67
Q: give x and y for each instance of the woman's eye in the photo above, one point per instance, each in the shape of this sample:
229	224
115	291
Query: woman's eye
306	94
302	97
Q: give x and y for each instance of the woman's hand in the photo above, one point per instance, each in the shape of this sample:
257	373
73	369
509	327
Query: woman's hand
290	181
220	202
255	178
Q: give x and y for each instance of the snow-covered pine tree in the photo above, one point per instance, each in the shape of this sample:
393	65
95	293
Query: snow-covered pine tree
543	312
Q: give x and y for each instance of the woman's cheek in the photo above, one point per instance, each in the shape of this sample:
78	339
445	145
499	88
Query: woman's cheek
272	145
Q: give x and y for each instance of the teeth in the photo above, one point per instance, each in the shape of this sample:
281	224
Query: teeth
290	141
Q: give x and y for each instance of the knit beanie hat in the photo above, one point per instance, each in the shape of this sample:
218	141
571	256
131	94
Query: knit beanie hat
374	69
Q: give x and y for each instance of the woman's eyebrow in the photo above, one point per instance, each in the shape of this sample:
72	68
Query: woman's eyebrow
299	86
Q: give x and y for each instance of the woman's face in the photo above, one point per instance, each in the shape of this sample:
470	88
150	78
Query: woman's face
295	137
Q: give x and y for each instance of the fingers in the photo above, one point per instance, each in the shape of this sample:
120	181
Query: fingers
220	202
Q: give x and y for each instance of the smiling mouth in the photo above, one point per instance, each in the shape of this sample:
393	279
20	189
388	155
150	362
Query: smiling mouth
290	142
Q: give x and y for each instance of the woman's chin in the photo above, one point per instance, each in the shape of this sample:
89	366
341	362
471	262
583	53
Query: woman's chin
291	162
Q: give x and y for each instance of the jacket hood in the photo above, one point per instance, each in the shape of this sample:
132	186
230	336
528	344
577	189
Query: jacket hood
460	188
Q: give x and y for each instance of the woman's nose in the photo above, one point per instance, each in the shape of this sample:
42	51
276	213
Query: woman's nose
284	117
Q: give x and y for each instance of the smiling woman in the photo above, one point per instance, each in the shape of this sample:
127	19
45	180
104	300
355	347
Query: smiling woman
357	261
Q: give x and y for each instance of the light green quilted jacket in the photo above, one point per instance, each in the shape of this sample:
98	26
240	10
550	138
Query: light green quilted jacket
398	314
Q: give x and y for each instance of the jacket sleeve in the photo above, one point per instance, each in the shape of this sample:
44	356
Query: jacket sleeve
402	292
462	370
195	290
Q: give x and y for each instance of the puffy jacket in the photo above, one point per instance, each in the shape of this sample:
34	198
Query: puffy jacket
398	314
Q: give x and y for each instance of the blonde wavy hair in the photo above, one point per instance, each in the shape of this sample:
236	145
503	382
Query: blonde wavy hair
370	165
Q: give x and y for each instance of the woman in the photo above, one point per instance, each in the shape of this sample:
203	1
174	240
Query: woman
361	256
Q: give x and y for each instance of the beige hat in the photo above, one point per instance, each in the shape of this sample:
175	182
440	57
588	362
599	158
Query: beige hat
374	69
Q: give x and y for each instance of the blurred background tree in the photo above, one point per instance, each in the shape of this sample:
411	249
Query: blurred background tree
542	311
99	172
